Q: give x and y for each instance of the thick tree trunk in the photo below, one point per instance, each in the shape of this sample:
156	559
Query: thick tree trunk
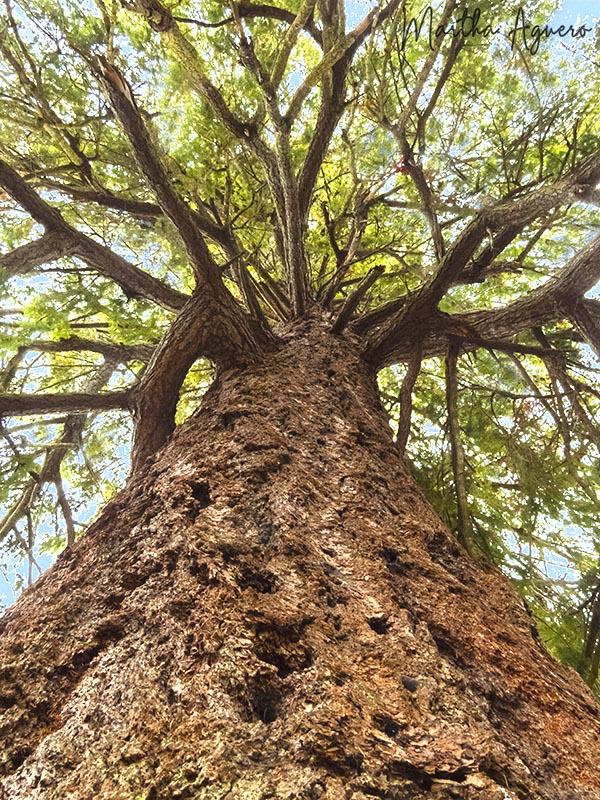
273	611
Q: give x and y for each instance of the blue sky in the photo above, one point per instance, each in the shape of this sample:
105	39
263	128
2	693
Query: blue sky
570	9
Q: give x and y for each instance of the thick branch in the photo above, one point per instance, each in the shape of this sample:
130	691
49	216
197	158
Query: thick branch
48	248
495	328
560	378
149	161
418	175
19	405
26	197
579	276
584	321
351	303
205	327
136	208
113	351
347	44
465	525
134	281
405	400
333	103
161	20
51	468
252	10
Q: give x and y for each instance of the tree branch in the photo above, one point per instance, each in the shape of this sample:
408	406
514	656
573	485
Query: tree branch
51	468
48	248
580	274
405	400
113	351
20	405
579	313
121	98
465	525
134	281
250	10
26	197
136	208
352	301
204	327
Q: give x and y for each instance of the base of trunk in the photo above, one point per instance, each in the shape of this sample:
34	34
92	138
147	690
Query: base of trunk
274	611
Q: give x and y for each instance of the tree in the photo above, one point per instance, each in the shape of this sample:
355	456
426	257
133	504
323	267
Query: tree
270	205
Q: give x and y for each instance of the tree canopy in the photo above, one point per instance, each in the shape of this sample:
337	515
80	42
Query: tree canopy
181	180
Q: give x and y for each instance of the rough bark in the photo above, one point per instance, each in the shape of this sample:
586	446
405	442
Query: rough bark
273	611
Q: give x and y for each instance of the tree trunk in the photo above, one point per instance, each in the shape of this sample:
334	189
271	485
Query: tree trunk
273	611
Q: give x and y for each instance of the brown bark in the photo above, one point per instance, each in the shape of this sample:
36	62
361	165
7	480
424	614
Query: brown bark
21	404
273	611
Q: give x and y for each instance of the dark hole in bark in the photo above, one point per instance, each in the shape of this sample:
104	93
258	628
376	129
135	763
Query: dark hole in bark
170	560
500	775
338	761
261	581
229	417
409	772
180	609
334	600
83	659
113	601
132	757
332	571
131	580
200	493
255	447
265	704
43	710
199	571
373	791
441	546
7	700
446	648
8	674
315	791
455	589
502	706
410	684
379	624
458	775
387	725
171	697
287	658
392	560
228	552
109	631
19	756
